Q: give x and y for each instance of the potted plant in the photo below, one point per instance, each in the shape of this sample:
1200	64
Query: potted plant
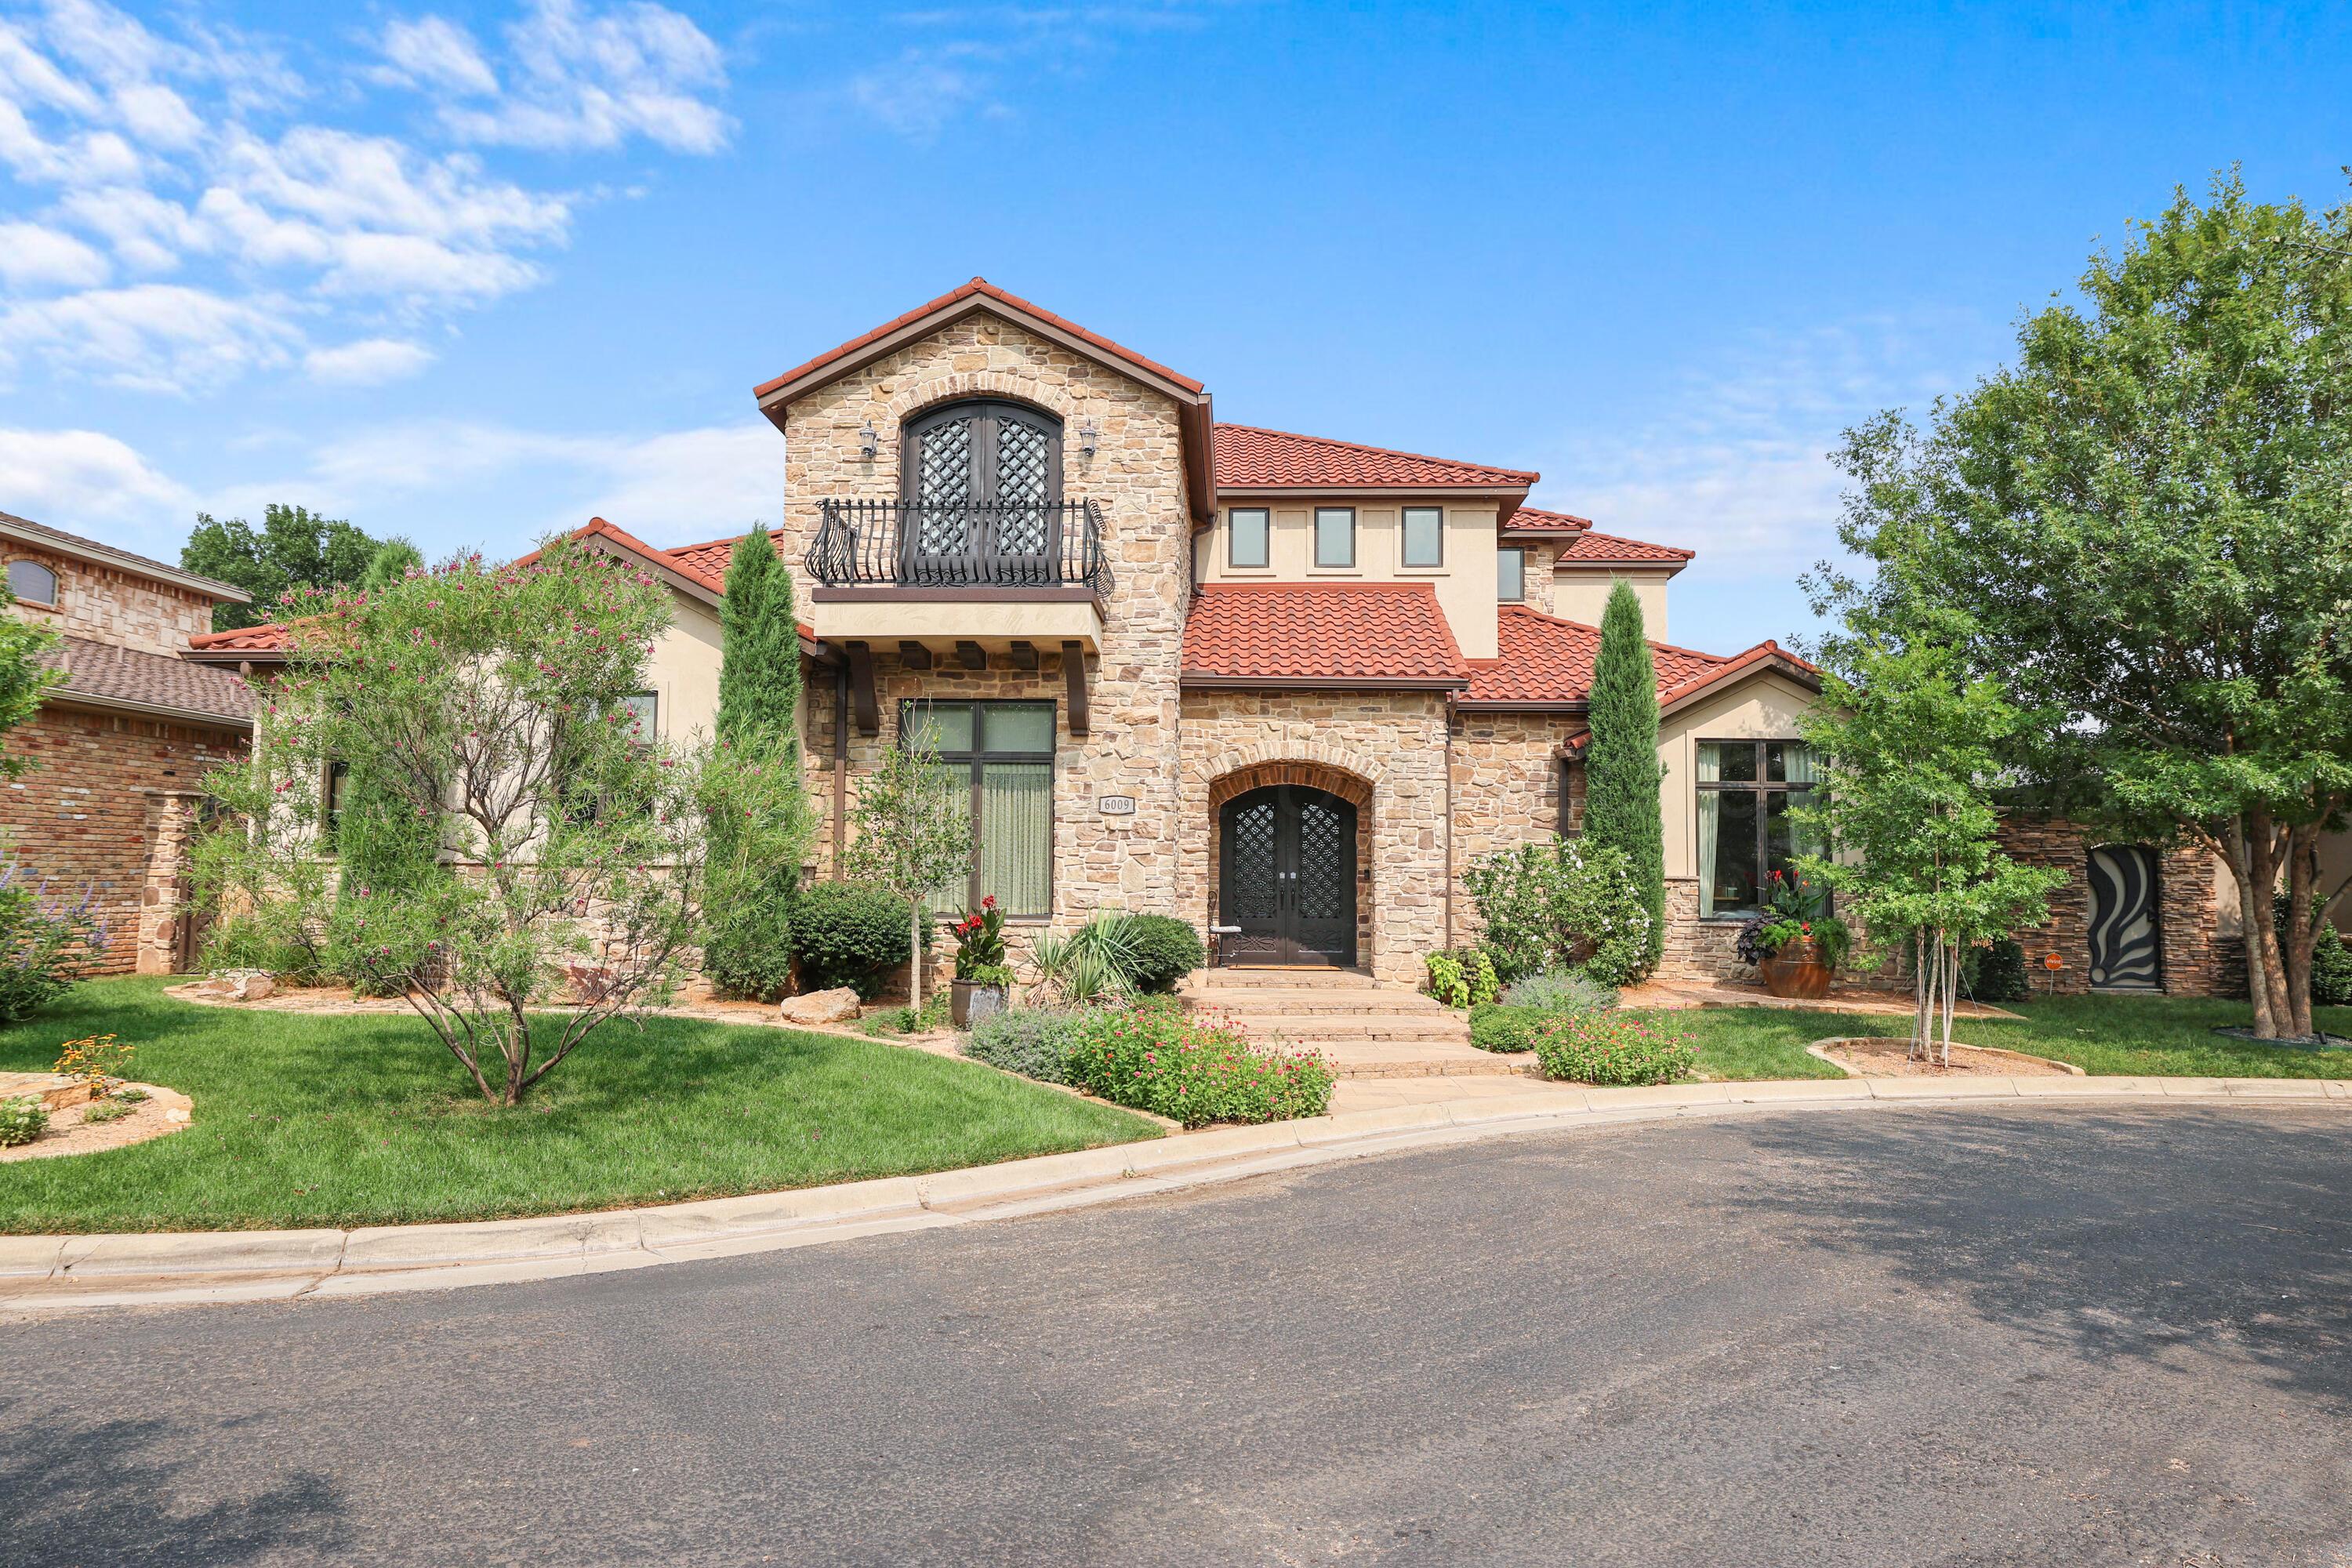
982	976
1796	945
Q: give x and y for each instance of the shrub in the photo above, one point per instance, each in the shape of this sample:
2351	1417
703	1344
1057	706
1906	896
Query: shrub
1031	1041
1159	951
1613	1047
848	934
22	1120
45	946
2331	970
1501	1026
1561	904
1463	977
2001	973
1564	992
1193	1070
932	1014
748	950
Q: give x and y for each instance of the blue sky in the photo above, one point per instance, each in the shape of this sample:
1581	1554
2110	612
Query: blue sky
469	272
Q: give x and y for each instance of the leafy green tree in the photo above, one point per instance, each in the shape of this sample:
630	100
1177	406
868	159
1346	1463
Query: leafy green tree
487	707
914	837
293	549
1622	769
755	866
2144	527
1910	748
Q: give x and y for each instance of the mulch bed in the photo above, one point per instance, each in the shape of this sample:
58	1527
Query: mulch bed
163	1112
1888	1055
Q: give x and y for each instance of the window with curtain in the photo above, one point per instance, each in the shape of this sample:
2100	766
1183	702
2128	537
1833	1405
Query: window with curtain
1248	545
1334	536
1001	754
1746	832
32	583
1424	536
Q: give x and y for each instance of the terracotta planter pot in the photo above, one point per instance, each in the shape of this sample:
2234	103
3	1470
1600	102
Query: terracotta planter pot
969	1001
1797	971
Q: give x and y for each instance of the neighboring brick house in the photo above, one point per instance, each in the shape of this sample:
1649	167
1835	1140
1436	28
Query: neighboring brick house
1284	687
123	745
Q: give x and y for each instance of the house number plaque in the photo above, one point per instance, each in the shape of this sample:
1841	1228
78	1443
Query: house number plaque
1115	804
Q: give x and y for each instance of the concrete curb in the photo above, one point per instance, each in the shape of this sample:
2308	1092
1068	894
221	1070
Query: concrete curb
48	1272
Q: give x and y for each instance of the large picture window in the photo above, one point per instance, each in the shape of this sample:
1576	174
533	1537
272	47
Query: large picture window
1003	754
1745	790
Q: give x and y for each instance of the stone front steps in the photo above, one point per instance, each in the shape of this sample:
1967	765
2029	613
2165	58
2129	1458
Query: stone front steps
1365	1028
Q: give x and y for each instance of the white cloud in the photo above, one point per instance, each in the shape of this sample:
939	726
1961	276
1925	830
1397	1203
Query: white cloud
33	255
73	479
577	77
435	52
159	337
370	361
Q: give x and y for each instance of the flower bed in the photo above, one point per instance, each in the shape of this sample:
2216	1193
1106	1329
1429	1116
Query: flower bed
1614	1047
1194	1071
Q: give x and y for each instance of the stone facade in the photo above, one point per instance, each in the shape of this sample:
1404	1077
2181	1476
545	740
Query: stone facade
108	807
1393	742
118	608
2200	952
1136	479
1507	784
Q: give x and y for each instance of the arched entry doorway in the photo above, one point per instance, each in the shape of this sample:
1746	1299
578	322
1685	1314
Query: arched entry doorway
1287	882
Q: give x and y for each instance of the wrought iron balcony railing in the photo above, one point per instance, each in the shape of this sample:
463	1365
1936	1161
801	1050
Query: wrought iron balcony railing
971	544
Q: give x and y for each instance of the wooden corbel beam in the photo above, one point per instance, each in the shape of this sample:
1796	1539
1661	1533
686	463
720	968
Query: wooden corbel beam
971	656
1024	656
861	689
914	656
1074	673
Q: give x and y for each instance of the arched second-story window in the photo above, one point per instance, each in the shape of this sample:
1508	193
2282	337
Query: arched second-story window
983	453
32	583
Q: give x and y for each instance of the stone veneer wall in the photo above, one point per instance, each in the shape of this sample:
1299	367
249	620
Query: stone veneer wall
2194	957
115	607
108	808
1136	477
1393	742
1506	781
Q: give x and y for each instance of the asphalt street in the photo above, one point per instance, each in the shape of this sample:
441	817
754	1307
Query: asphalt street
1895	1336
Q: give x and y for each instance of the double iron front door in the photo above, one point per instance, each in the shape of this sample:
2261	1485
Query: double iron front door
1288	879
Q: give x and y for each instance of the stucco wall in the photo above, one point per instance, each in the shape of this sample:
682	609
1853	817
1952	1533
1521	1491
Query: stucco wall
683	671
1464	581
1582	593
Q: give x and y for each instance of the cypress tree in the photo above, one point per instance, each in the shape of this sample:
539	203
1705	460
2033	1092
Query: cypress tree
1622	769
755	866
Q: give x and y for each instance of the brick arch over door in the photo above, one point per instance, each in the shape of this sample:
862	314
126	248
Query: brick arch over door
1351	787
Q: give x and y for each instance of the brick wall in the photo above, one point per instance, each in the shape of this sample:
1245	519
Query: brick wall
107	809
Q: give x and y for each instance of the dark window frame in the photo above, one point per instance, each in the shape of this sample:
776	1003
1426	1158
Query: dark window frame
1404	538
1520	554
1762	788
977	758
1264	516
985	413
57	583
1315	550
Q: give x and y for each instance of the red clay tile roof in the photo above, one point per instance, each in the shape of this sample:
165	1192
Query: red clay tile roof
1543	659
976	288
1762	653
1307	632
267	639
1533	519
1250	458
1609	549
709	558
104	673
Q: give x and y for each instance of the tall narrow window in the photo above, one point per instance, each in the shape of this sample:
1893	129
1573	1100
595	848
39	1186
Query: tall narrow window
1424	536
1511	576
330	798
645	713
1334	536
1248	539
32	583
1747	791
1003	752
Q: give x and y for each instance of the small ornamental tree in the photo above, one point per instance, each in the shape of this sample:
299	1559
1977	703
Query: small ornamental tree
1622	769
1910	750
485	710
914	837
755	865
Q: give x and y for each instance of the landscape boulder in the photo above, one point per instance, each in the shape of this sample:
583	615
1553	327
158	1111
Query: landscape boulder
835	1006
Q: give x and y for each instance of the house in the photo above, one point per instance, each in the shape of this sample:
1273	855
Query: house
1285	686
121	744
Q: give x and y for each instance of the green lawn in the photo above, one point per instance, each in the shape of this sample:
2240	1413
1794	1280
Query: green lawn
2125	1035
307	1120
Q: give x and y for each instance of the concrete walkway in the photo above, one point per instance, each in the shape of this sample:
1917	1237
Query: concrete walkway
56	1272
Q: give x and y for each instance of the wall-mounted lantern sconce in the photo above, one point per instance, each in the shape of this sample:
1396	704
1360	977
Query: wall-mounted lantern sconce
869	440
1088	437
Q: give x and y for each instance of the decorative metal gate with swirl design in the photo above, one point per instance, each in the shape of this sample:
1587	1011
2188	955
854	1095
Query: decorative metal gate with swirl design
1288	876
2124	954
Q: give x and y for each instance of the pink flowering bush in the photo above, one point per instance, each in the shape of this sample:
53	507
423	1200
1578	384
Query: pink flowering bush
1193	1070
1612	1048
